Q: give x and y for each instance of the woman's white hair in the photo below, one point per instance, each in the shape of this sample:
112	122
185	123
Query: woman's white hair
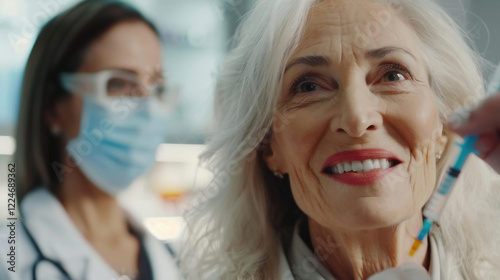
235	228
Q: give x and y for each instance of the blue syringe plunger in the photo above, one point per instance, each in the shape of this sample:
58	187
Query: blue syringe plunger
438	199
467	148
425	229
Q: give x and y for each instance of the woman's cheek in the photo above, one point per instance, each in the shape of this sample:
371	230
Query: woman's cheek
298	143
298	139
422	167
422	170
418	121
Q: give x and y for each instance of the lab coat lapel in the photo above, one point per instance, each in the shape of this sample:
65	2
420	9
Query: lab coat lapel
285	271
59	239
162	263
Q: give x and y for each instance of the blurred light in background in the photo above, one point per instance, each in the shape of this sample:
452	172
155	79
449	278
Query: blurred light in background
165	228
179	153
7	145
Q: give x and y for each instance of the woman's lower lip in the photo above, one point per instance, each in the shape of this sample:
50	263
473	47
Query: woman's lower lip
362	179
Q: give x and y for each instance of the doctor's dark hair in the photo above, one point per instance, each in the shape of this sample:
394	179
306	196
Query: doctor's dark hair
61	46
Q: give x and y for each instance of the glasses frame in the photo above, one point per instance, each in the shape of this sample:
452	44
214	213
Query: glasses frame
95	84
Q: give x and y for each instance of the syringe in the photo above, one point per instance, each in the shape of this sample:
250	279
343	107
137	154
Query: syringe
436	204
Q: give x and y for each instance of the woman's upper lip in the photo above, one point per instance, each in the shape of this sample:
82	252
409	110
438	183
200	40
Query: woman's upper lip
359	155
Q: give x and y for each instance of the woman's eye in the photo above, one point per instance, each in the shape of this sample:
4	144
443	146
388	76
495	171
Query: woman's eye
308	86
304	84
395	73
159	90
119	87
115	84
393	76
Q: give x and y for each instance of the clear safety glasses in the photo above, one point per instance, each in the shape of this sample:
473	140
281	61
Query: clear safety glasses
107	85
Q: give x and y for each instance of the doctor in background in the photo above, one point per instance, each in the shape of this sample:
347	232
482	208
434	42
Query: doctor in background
91	117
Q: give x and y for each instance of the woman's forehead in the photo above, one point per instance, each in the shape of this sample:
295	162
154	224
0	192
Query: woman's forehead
351	8
353	27
122	47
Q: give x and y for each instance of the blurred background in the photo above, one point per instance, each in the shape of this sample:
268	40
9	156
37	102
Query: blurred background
195	35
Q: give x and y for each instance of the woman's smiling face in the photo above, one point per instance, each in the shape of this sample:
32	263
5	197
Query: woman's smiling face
355	90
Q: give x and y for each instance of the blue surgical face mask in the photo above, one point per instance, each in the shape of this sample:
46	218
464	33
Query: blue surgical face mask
117	143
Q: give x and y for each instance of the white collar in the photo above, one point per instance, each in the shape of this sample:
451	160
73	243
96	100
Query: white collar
304	264
44	216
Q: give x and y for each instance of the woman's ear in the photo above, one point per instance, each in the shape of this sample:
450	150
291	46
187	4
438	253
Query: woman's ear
442	139
272	157
63	117
53	121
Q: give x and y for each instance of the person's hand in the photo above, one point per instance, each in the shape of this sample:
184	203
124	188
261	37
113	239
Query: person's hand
407	271
483	120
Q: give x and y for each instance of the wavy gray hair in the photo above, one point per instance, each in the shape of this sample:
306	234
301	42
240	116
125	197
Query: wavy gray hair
235	228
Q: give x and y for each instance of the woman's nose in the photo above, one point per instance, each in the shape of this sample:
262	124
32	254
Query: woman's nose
358	112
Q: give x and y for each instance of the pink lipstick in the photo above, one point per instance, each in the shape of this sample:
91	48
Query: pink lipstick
360	167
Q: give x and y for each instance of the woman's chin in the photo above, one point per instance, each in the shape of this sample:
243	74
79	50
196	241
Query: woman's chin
373	218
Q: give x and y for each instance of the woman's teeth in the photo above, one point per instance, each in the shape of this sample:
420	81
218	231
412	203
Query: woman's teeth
360	166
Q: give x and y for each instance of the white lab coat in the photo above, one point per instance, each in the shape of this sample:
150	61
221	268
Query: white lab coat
59	239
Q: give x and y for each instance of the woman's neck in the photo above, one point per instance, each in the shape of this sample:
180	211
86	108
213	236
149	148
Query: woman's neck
360	254
101	221
96	214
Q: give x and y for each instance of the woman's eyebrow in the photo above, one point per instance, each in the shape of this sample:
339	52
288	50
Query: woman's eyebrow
158	74
122	69
320	60
312	60
382	52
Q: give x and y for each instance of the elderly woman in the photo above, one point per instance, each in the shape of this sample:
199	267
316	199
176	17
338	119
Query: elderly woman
331	138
